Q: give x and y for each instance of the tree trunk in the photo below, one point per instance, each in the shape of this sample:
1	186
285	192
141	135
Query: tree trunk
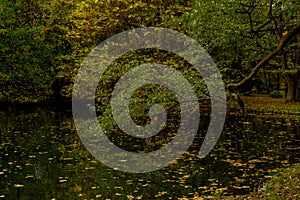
293	84
298	65
270	88
290	88
278	82
298	89
293	80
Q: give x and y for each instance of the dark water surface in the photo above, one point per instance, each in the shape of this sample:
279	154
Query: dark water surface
42	157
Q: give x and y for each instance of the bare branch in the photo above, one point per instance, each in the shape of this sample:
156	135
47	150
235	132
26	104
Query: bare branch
251	22
262	26
273	20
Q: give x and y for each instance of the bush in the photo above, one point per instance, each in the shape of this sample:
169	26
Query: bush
275	94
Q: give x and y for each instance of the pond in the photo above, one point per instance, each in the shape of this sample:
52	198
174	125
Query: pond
42	157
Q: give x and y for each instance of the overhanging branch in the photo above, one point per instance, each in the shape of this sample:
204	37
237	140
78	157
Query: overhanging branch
270	56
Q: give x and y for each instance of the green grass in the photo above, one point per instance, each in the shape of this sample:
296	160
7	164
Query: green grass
284	185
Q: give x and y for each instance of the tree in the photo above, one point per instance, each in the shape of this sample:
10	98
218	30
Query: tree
240	34
31	42
43	43
22	51
283	36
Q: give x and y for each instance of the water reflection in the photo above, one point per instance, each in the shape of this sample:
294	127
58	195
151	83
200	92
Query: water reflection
41	157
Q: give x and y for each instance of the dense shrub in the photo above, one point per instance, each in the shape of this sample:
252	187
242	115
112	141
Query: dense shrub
275	94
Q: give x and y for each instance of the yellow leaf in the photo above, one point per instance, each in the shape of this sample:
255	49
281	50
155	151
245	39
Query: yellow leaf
77	188
18	185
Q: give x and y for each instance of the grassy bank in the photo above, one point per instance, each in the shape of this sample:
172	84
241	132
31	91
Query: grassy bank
266	105
283	185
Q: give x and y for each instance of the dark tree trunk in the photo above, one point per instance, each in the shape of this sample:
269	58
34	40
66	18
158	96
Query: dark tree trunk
290	88
270	89
298	89
56	87
278	82
293	87
293	80
297	98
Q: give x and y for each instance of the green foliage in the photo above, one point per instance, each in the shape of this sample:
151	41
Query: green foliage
275	94
144	97
44	42
91	22
29	48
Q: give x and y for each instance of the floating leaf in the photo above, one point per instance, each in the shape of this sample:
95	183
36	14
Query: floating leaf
18	185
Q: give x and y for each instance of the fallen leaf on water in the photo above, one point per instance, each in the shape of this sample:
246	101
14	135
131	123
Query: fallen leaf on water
18	185
245	186
89	168
67	159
